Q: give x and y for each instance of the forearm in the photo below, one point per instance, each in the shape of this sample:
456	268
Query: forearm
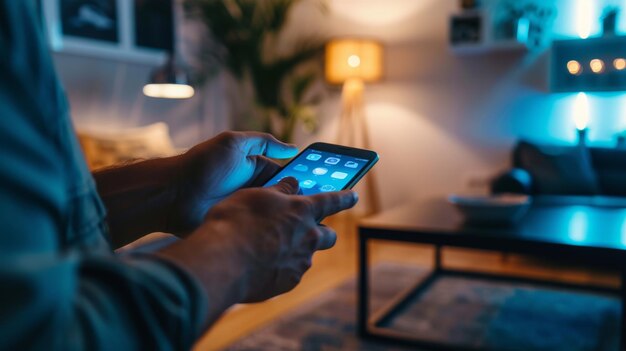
217	267
82	303
139	197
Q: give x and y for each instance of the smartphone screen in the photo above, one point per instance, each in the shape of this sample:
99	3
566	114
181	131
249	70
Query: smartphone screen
325	167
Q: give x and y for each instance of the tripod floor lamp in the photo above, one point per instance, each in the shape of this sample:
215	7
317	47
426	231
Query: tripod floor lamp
354	62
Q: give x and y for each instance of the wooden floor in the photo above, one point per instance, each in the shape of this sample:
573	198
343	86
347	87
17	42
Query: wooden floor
332	267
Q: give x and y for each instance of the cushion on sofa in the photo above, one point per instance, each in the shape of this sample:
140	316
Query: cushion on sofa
610	167
564	170
106	147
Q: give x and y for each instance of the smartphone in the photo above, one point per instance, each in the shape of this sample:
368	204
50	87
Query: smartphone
323	167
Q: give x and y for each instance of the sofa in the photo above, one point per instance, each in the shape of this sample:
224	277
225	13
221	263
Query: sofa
105	147
578	170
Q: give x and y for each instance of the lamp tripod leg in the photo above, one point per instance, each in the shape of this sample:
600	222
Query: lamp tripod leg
353	131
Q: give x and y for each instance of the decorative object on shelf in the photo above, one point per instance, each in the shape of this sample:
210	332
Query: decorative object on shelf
526	22
595	64
169	82
137	30
609	21
353	62
470	4
245	37
505	25
467	29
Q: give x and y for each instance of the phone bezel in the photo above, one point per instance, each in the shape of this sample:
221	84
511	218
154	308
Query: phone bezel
370	156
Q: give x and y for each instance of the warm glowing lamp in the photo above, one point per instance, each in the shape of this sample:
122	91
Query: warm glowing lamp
596	65
348	59
574	67
169	82
619	64
584	18
353	62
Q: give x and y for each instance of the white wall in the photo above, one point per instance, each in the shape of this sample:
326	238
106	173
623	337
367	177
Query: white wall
440	120
108	94
437	119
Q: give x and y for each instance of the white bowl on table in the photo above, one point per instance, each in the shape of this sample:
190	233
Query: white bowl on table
493	209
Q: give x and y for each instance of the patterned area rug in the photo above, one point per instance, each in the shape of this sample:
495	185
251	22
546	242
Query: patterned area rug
454	310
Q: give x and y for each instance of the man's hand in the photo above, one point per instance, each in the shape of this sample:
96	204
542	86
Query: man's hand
173	194
212	170
258	242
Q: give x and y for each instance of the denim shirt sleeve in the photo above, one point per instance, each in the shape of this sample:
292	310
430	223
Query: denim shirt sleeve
61	287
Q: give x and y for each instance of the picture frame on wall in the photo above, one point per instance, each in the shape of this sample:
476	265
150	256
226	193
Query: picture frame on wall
90	19
126	30
153	24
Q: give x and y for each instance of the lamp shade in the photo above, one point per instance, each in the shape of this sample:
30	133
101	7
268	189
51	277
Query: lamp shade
169	82
353	59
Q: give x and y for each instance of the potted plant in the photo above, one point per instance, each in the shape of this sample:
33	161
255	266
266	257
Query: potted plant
245	36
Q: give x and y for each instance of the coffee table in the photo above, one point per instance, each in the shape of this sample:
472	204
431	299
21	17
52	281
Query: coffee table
591	236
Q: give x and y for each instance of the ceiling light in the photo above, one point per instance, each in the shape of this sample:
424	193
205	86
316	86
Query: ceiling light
169	82
168	91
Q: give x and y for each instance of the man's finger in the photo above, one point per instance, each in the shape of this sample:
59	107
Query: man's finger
264	169
326	204
255	143
288	185
327	237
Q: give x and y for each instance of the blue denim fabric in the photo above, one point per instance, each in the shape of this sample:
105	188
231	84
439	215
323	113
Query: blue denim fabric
61	287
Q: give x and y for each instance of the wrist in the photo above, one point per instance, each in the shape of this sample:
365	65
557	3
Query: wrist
217	264
173	218
163	176
139	197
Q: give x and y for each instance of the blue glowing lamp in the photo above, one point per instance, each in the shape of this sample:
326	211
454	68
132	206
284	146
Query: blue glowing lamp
581	117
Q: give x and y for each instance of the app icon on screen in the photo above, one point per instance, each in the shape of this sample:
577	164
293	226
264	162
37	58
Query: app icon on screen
320	171
301	168
327	187
307	184
339	175
351	164
313	157
332	160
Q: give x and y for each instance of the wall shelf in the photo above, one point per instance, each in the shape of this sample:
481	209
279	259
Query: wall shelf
471	33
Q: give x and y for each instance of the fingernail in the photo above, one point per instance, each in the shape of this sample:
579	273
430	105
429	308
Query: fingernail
293	183
291	180
355	197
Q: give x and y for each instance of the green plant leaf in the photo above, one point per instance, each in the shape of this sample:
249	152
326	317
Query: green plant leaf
301	84
242	32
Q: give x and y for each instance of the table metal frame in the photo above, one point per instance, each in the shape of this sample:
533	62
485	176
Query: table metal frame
371	326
